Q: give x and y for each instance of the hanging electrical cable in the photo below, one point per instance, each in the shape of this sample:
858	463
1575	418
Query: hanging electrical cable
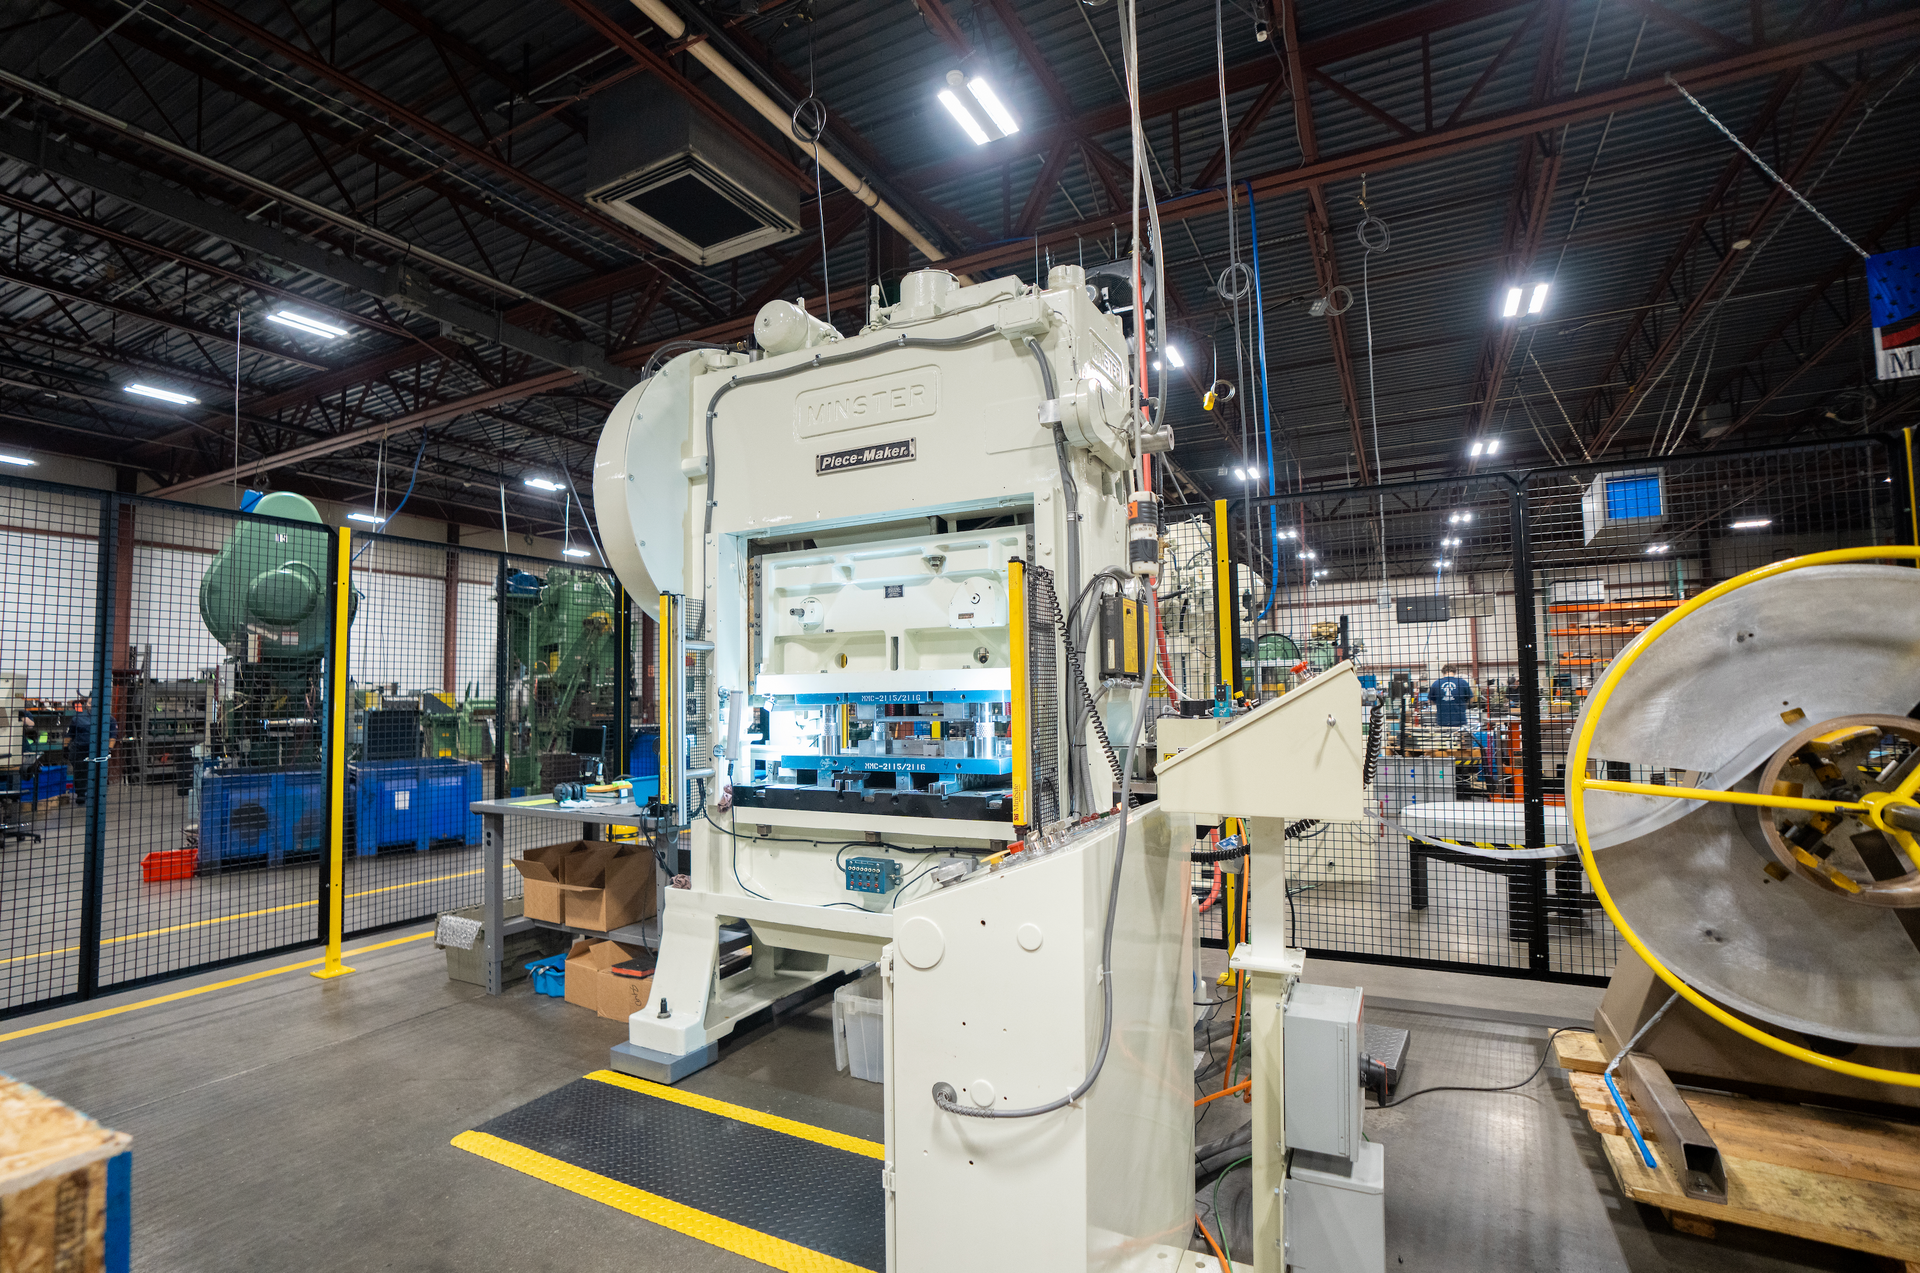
1266	402
1379	241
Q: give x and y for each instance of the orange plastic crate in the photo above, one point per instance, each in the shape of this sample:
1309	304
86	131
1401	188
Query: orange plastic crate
169	864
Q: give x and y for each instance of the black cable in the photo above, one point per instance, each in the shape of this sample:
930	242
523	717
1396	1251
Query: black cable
1545	1052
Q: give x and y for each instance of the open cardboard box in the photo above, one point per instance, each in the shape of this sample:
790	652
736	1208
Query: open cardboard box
626	987
587	963
596	884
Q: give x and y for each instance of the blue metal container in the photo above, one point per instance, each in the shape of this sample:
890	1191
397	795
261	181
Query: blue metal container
415	804
49	781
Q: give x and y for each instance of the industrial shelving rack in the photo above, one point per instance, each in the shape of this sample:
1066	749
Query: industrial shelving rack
164	721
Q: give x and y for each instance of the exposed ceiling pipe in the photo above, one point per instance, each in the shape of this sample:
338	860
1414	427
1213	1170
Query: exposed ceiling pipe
674	27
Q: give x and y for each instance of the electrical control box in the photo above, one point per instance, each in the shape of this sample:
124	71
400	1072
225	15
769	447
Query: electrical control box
872	875
1123	639
1323	1038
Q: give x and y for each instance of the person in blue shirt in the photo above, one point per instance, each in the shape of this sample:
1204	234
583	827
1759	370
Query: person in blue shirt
79	744
1450	696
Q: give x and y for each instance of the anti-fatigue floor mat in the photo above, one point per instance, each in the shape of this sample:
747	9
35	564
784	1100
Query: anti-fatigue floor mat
792	1196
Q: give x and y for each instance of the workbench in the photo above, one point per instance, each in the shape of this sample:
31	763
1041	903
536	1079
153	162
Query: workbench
493	852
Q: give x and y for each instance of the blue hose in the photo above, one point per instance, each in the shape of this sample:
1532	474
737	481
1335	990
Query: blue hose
1266	405
1633	1128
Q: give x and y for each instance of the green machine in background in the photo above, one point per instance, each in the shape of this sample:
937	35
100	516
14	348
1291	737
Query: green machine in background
264	599
563	669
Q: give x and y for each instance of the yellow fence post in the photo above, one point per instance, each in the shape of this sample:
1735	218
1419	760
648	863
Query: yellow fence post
336	760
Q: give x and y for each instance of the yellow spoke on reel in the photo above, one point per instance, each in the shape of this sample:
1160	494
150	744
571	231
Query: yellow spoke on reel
1578	784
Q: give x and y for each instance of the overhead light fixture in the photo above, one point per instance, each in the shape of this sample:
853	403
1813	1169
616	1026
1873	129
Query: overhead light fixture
1741	245
1538	301
311	326
996	110
165	395
542	484
1753	523
1656	548
1173	356
1240	475
1477	448
371	519
1289	534
576	552
963	117
1512	308
21	460
1253	471
1309	554
1318	574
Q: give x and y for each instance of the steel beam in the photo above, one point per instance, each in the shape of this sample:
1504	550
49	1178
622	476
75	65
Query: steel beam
1326	262
66	291
382	429
1472	134
1536	174
1776	199
402	285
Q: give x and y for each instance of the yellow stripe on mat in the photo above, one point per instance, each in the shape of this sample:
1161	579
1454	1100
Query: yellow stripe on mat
665	1212
741	1114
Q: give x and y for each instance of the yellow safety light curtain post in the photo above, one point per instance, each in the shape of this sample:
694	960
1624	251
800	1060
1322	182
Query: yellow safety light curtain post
335	883
672	681
1913	507
1017	708
1224	613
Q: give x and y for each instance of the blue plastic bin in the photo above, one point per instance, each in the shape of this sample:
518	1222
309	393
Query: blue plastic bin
413	804
50	781
261	816
550	975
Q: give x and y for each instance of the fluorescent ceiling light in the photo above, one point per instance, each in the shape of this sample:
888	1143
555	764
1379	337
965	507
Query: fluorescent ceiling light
1753	523
1309	554
542	484
21	460
1493	445
165	395
1240	474
1512	308
1538	300
1656	548
1466	517
1441	565
997	112
369	518
576	552
963	117
1173	356
1289	534
1253	470
1318	573
312	326
1478	447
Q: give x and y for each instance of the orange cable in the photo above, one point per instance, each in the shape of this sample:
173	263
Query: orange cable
1241	1086
1217	1253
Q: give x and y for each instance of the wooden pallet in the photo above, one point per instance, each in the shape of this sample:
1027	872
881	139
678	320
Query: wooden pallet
1830	1176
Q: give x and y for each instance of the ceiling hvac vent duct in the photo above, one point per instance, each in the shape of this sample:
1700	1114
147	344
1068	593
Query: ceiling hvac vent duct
658	164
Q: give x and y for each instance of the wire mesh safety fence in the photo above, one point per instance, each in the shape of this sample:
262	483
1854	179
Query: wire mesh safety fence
1479	613
194	642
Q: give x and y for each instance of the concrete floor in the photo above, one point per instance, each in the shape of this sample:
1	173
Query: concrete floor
291	1123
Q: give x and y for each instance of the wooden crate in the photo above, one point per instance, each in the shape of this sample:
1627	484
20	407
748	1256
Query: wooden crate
1831	1176
65	1187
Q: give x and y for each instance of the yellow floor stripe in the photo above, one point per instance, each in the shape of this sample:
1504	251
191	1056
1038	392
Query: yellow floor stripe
711	1229
228	919
199	990
740	1113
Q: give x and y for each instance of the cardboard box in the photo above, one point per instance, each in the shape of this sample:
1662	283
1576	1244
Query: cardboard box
626	987
594	884
586	963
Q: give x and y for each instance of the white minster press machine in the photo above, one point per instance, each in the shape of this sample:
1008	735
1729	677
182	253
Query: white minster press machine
904	602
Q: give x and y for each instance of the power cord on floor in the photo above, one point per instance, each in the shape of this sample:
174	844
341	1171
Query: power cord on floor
1544	1054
